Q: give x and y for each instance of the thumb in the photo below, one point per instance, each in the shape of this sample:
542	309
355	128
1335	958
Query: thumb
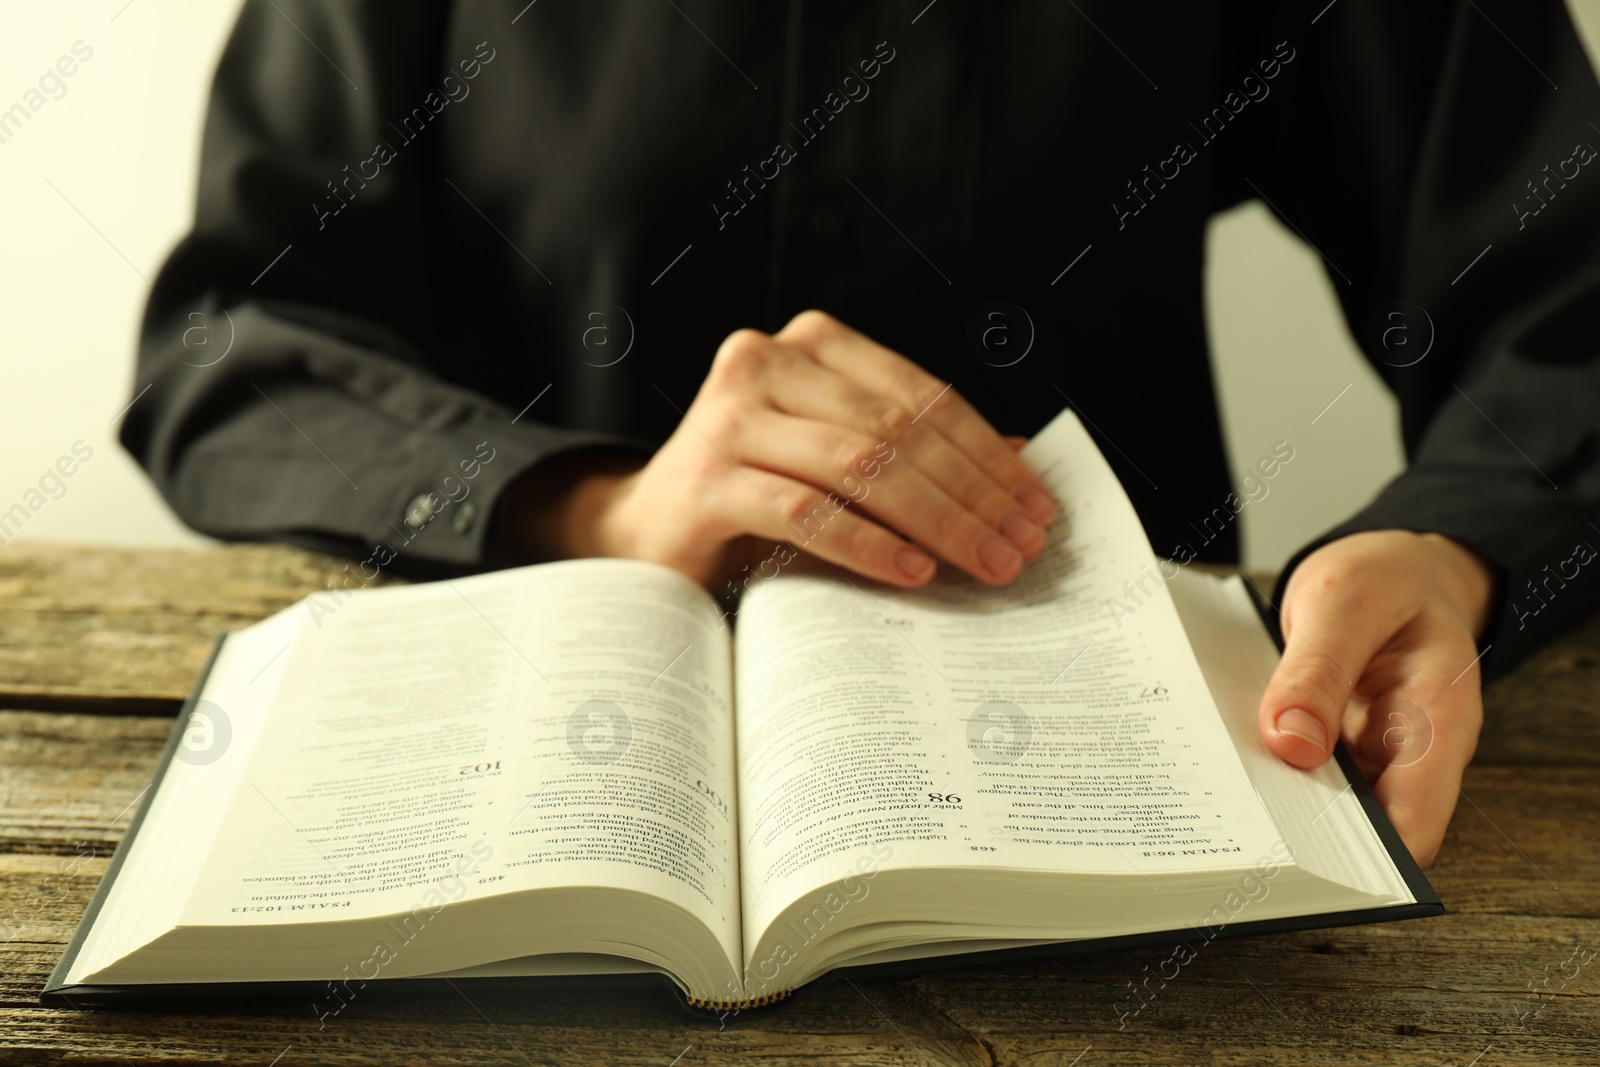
1325	653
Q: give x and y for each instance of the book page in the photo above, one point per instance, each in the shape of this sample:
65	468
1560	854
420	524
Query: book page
185	815
554	726
1029	727
1316	810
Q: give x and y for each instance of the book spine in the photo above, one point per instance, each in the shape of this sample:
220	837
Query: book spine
739	1005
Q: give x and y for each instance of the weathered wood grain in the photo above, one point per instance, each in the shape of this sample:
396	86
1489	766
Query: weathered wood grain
127	630
1433	992
68	780
1520	871
1548	709
91	631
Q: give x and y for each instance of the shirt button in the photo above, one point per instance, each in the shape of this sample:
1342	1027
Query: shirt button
419	511
464	516
824	223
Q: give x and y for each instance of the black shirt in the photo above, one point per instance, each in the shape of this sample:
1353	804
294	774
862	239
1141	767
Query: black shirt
437	242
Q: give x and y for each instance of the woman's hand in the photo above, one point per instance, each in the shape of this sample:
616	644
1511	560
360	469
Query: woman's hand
822	438
1380	633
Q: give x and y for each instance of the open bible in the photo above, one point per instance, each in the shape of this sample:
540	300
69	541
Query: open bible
576	768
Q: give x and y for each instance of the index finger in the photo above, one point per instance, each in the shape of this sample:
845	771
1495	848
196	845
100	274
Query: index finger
858	357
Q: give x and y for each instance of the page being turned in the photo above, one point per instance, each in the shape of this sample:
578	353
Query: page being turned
1025	727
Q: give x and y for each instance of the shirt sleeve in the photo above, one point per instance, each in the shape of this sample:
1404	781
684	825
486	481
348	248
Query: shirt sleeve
284	394
1441	159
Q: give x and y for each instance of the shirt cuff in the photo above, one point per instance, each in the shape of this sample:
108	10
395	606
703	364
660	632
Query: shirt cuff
439	514
1539	544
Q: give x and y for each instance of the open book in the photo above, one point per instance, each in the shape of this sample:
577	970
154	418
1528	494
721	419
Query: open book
575	768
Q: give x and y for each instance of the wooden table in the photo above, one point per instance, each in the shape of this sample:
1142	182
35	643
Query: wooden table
99	646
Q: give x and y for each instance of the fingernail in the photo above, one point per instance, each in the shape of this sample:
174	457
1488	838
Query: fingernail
1038	503
1022	533
1297	722
999	556
913	564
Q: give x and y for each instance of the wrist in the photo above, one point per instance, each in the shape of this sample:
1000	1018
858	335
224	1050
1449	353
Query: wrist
1473	579
580	522
558	508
